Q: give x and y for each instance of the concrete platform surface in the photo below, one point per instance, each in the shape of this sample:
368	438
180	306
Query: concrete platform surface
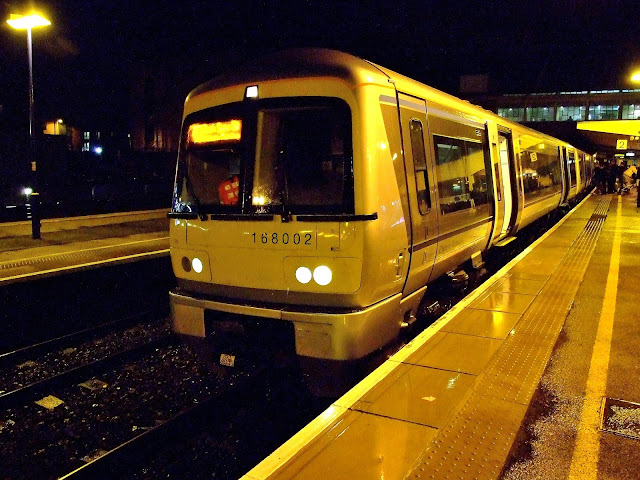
81	242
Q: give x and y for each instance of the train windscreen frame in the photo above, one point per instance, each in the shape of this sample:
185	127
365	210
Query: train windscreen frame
289	156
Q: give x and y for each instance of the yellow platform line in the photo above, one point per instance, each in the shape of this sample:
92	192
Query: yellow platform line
584	464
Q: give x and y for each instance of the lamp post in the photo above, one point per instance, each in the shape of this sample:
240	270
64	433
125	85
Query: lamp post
28	22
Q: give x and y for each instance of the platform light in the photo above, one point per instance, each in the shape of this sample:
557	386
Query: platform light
322	275
251	91
303	275
196	263
24	22
27	191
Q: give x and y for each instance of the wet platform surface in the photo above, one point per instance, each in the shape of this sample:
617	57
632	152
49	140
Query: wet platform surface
513	382
80	243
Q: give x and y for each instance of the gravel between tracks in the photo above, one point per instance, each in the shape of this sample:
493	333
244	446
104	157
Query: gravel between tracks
37	443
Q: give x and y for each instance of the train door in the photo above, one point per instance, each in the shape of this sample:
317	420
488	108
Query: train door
420	185
509	183
566	180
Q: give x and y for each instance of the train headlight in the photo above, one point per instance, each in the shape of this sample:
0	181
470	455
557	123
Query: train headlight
303	275
322	275
196	263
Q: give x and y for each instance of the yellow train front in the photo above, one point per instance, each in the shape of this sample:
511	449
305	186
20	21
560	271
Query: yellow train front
318	194
270	217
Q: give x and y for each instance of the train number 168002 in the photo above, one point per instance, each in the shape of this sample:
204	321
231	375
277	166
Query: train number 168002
274	238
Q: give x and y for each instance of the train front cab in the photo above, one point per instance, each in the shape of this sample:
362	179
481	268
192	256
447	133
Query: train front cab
264	256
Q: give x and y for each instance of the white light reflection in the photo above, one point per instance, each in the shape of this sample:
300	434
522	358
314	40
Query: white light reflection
452	382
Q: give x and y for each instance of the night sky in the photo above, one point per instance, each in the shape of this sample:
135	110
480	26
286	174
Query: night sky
85	62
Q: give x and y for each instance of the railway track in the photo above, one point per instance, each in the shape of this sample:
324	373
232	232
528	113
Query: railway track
56	425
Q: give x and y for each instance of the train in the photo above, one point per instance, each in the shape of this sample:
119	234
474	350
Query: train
318	195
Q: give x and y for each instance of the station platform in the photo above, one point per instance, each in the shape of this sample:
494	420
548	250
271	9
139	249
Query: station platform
77	243
533	375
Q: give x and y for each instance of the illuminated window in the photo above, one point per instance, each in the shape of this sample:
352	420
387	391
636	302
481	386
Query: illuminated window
541	175
631	112
571	113
540	114
462	182
85	147
514	114
87	135
603	112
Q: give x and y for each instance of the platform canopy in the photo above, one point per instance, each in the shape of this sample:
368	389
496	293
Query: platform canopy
617	127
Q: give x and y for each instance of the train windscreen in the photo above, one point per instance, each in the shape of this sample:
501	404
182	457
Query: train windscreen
267	156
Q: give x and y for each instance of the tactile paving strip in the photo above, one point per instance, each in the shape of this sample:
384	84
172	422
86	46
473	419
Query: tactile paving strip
476	442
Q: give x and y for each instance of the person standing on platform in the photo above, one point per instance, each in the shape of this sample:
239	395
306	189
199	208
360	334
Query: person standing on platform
636	181
612	175
599	178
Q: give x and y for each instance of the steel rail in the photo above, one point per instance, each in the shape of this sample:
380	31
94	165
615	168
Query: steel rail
26	393
45	346
132	455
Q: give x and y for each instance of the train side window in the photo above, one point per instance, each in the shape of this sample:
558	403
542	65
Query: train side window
462	182
420	165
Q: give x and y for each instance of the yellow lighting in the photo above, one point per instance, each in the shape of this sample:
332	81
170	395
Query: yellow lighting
259	200
24	22
635	77
59	120
200	133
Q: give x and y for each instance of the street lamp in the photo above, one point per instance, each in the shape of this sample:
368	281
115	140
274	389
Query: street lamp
28	22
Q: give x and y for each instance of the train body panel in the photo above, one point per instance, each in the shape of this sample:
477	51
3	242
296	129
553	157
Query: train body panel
324	191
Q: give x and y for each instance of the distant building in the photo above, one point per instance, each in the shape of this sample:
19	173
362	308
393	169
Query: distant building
558	113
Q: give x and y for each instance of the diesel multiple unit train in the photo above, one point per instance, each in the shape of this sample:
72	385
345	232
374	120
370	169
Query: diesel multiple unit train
319	194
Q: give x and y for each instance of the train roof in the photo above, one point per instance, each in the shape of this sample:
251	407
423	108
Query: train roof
298	63
322	62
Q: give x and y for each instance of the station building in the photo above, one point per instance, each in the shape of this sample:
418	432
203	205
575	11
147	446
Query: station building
606	121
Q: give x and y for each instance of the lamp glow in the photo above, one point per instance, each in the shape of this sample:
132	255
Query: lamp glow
322	275
303	275
25	22
196	263
27	191
635	77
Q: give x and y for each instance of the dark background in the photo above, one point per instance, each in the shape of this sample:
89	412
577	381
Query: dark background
93	64
84	62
